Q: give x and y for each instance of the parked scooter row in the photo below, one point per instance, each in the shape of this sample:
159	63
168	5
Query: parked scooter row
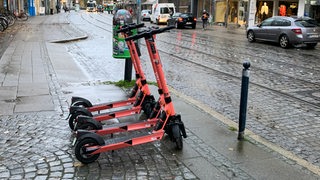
86	119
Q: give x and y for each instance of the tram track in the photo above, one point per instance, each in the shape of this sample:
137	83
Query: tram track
315	105
258	48
272	74
237	47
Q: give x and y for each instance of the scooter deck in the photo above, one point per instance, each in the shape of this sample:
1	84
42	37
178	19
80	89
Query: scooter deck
116	104
131	140
117	114
126	126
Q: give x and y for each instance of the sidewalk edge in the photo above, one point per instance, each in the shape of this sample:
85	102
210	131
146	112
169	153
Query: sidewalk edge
250	134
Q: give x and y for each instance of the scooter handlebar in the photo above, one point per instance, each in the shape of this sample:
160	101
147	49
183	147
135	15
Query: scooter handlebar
129	27
148	33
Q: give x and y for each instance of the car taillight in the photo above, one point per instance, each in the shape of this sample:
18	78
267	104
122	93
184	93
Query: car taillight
194	19
297	31
180	19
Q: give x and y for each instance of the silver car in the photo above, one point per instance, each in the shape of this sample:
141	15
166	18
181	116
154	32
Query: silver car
145	15
287	31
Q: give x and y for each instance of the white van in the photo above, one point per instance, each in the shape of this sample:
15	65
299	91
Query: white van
161	12
91	6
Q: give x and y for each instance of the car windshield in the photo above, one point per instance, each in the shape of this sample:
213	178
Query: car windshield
306	23
267	22
90	5
176	15
186	15
146	11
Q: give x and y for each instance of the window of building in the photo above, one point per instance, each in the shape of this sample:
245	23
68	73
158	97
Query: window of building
264	10
288	8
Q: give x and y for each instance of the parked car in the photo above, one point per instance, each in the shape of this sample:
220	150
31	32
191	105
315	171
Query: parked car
287	31
145	15
100	8
182	20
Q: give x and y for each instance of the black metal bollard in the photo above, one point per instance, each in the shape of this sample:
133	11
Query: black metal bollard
128	70
243	99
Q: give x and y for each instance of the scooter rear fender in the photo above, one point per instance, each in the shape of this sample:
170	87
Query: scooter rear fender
81	119
83	134
82	110
76	99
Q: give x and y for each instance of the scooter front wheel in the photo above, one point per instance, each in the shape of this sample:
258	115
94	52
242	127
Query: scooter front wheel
177	137
81	150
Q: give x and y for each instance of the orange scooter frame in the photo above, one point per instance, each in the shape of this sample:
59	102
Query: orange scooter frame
142	101
90	145
88	122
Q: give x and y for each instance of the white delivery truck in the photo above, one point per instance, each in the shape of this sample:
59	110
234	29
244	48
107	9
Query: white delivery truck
91	6
160	12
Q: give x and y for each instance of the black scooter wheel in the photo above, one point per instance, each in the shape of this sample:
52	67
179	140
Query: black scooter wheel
177	137
80	150
72	119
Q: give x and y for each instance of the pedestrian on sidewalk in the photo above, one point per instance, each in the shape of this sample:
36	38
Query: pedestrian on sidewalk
204	18
65	8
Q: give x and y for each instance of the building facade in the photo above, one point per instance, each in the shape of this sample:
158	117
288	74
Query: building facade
224	12
250	12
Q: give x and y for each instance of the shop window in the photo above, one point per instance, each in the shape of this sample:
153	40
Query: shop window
220	12
264	10
242	12
288	8
233	12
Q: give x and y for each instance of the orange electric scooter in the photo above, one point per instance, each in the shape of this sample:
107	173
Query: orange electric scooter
141	99
90	123
89	144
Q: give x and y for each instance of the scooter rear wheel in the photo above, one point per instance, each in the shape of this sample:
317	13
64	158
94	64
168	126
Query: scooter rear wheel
80	150
177	136
72	119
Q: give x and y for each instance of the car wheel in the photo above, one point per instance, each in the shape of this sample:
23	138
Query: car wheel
251	37
194	26
284	41
311	45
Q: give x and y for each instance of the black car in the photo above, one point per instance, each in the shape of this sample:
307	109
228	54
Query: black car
182	20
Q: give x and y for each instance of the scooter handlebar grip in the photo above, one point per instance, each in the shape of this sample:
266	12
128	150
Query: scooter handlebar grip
149	33
134	37
129	27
